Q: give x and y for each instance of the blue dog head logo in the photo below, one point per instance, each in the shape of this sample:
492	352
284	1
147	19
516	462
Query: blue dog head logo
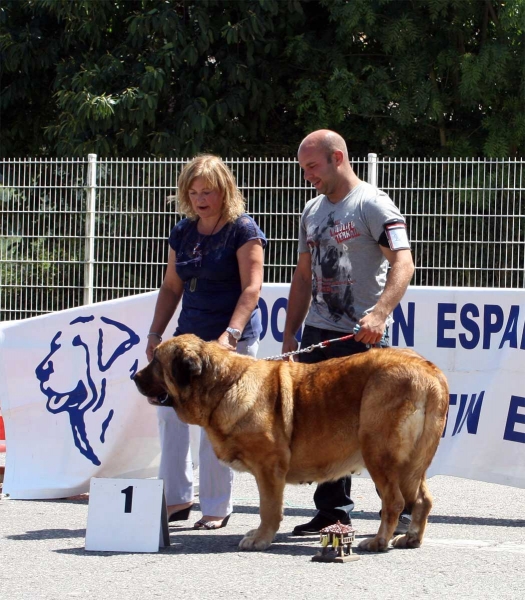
74	376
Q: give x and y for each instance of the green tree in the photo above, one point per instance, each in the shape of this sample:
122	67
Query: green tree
175	77
30	47
156	77
416	77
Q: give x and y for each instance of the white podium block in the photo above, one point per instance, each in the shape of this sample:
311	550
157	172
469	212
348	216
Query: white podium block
126	515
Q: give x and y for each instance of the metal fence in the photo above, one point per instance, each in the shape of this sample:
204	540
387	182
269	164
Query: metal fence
79	231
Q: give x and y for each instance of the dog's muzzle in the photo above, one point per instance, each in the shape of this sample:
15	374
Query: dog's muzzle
165	399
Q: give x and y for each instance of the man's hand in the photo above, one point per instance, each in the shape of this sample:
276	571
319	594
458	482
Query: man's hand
372	327
290	344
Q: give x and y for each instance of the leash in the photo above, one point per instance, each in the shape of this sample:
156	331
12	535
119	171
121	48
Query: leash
164	398
310	348
323	345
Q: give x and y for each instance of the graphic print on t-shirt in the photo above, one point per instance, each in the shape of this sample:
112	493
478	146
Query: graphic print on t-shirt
331	266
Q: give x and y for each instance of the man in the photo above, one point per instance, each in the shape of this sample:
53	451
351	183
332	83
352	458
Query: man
349	234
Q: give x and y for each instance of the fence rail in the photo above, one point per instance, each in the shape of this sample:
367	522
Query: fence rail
75	231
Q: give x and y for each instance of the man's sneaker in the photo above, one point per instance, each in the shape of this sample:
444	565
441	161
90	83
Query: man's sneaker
316	524
403	523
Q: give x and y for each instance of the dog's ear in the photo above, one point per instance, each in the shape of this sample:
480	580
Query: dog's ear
184	366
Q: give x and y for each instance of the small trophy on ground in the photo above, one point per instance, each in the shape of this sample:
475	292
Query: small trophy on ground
336	541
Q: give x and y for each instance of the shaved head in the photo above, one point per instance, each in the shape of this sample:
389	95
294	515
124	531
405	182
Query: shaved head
326	141
323	157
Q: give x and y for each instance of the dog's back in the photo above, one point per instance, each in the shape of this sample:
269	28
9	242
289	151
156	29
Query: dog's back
348	412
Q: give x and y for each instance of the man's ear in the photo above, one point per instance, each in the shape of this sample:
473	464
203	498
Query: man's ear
184	366
338	157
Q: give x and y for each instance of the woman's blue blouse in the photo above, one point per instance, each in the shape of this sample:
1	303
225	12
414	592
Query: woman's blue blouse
209	268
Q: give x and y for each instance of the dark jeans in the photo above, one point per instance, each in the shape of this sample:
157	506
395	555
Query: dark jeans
332	499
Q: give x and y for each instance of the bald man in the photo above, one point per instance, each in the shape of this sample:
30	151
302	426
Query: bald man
349	235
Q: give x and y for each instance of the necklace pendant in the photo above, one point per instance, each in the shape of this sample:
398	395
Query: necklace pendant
193	284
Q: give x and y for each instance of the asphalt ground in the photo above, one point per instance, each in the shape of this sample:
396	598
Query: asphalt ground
474	548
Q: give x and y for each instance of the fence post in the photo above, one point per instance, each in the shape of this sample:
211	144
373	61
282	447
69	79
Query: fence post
89	258
372	169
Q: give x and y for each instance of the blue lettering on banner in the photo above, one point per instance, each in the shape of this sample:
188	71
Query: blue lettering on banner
493	322
470	416
511	330
490	326
263	307
470	325
514	417
279	304
406	325
442	324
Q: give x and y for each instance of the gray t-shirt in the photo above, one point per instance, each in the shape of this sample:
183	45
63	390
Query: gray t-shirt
348	268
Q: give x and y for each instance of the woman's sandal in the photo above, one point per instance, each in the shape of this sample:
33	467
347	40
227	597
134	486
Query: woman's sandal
203	524
181	515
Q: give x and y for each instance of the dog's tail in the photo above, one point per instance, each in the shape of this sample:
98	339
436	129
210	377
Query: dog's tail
435	412
434	393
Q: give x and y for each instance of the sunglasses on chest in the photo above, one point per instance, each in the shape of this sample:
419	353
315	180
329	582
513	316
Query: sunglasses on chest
197	257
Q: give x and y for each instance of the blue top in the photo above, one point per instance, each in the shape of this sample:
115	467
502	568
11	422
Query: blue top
208	266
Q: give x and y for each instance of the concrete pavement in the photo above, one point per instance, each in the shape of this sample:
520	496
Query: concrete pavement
474	548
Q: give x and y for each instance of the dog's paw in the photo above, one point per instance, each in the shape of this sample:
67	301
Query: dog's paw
375	544
250	533
406	541
253	542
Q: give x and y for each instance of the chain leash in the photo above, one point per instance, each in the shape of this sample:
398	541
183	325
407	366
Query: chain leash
323	344
310	348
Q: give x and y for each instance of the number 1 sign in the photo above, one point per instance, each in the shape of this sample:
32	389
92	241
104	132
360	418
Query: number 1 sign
126	515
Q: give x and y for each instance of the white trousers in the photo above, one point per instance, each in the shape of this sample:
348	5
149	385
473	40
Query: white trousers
176	469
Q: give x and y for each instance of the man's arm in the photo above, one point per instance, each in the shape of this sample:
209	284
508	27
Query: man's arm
298	301
401	271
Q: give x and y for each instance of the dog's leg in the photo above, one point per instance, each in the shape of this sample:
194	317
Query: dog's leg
420	511
392	503
271	482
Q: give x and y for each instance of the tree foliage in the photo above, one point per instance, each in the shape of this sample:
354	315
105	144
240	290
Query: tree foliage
176	77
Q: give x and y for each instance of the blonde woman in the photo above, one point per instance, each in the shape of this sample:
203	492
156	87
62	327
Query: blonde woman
215	266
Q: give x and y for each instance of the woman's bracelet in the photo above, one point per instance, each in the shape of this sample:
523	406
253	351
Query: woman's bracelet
155	334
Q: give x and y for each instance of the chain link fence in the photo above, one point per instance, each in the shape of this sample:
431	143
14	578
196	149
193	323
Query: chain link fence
75	231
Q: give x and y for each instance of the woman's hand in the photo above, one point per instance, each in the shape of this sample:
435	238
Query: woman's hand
153	342
227	340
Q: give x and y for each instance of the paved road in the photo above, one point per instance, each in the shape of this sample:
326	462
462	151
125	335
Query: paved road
475	548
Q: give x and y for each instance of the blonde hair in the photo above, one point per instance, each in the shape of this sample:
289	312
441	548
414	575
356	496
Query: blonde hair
218	177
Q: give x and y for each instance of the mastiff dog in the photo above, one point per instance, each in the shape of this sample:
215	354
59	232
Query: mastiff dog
288	422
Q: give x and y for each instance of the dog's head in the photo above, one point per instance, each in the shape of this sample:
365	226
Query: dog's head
74	376
330	262
183	368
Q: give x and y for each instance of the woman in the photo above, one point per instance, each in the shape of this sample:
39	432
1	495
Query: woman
215	264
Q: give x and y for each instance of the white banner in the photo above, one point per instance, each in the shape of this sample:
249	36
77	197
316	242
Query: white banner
72	412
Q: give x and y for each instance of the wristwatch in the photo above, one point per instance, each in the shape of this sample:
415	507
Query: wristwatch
235	333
